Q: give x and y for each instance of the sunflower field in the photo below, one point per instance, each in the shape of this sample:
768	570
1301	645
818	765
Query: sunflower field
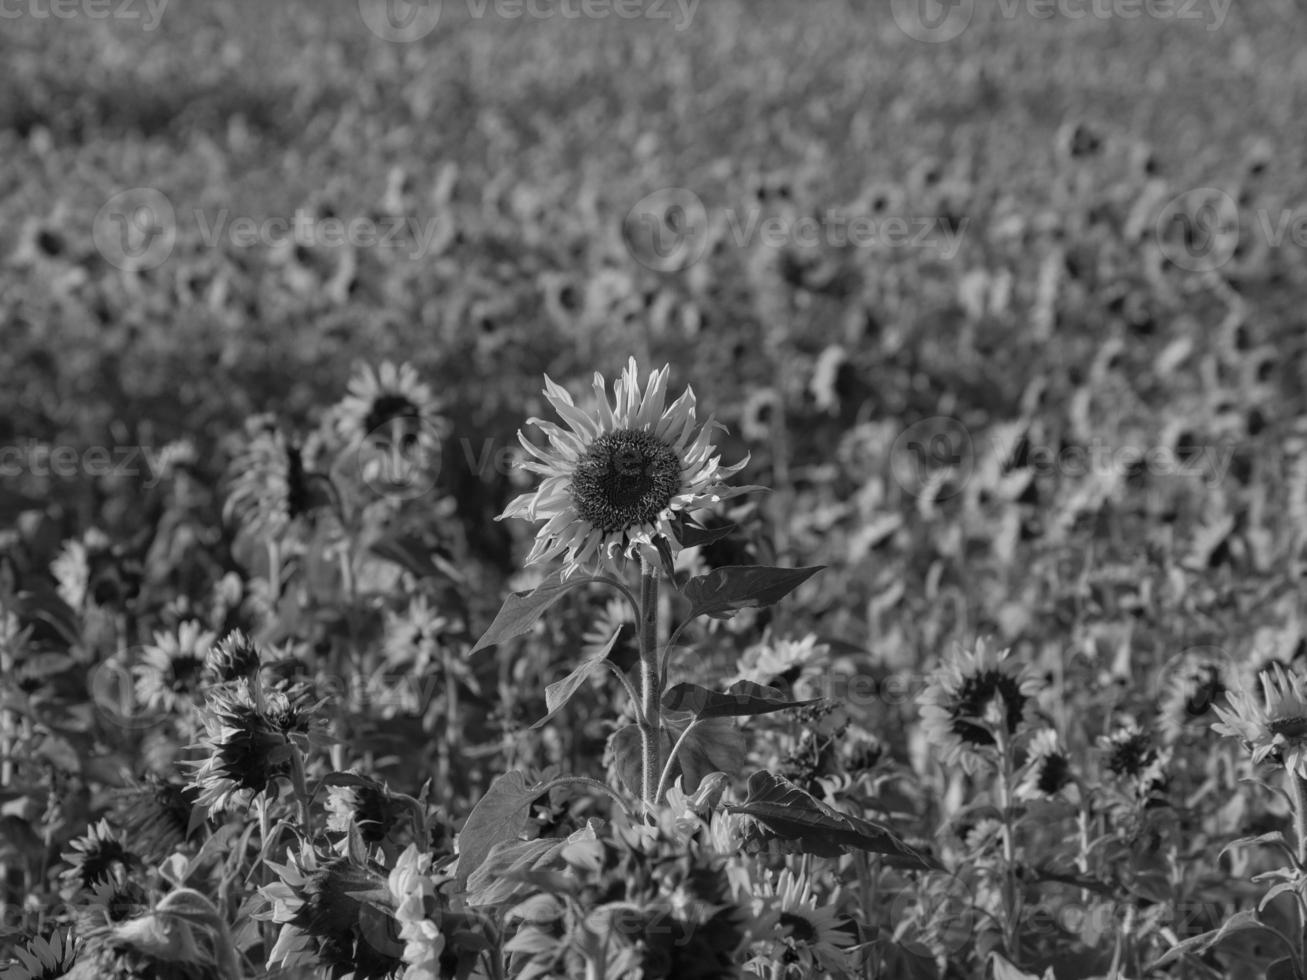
653	489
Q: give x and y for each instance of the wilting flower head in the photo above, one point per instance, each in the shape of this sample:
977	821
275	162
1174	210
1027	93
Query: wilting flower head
325	922
43	959
414	894
182	937
617	475
233	658
251	747
99	856
1275	723
1048	770
970	694
172	667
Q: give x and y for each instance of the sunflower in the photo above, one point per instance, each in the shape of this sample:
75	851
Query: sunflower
366	804
413	637
233	658
794	666
1048	769
1193	688
615	478
43	959
250	746
180	937
324	921
813	937
969	695
1129	753
172	668
157	815
98	856
271	490
389	417
1273	725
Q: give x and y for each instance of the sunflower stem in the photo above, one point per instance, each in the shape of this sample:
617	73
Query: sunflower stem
651	687
1011	890
1299	815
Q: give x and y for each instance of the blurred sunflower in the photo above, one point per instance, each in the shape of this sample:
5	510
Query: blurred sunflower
157	815
794	666
180	937
1047	771
814	936
43	959
325	923
1193	688
1275	724
98	856
366	804
969	695
251	748
171	669
391	419
615	478
235	657
412	638
270	488
1129	752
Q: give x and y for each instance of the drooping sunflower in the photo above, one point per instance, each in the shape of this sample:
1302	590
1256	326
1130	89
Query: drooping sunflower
233	658
964	690
1274	724
616	477
157	815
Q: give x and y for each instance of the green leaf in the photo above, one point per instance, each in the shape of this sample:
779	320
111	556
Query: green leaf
1239	922
559	693
410	554
788	813
691	534
1283	970
725	591
521	610
500	815
740	699
715	745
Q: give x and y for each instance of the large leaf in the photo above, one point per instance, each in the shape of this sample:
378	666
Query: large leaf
690	534
1195	945
521	610
725	591
715	745
740	699
500	815
559	693
788	813
501	877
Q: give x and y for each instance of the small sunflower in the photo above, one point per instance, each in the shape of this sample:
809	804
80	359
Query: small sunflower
43	959
413	637
1048	769
390	418
1273	725
171	669
97	857
366	804
792	665
158	816
1130	754
969	694
251	746
1193	689
615	478
324	922
270	488
814	936
235	657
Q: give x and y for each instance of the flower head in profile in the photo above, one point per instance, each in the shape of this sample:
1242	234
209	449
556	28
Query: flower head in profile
235	657
615	477
972	695
158	815
98	856
366	804
413	892
271	490
1274	724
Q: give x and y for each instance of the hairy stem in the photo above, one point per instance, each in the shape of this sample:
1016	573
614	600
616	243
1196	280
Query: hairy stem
651	688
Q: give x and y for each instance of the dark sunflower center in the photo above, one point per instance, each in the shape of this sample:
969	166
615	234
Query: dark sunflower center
1207	689
626	479
800	928
1054	773
1289	727
974	697
1131	755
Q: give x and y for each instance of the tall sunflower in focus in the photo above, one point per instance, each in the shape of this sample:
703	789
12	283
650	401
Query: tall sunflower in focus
616	476
1274	725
